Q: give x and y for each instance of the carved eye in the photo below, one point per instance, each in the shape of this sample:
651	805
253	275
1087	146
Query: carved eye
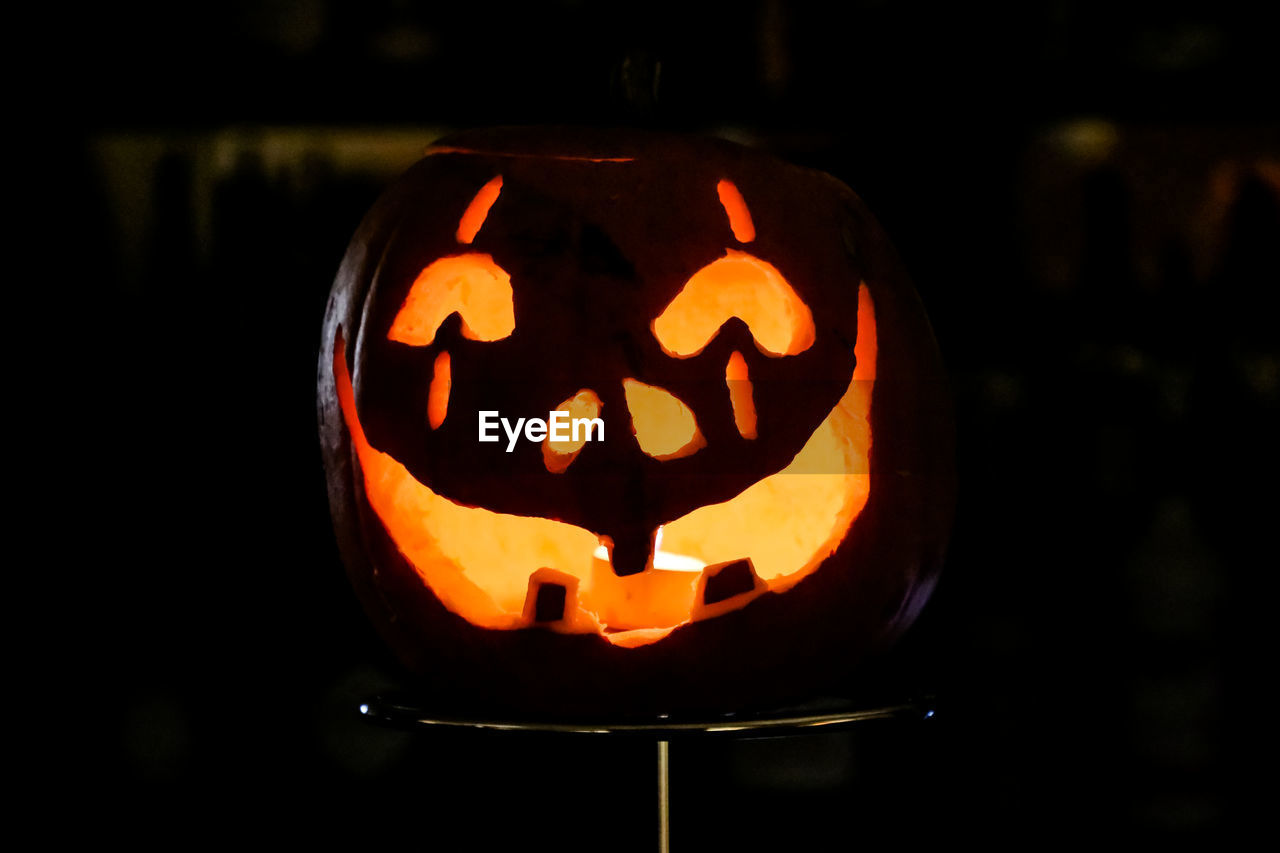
559	455
743	286
470	285
737	285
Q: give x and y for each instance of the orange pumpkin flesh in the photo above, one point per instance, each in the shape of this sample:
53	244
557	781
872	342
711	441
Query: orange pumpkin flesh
695	597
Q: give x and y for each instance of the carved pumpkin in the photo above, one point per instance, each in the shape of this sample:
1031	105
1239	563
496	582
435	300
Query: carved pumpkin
770	498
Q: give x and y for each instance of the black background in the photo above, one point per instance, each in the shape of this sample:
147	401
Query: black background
1086	196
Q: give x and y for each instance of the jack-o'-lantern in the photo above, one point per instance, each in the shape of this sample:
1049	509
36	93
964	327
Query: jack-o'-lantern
761	488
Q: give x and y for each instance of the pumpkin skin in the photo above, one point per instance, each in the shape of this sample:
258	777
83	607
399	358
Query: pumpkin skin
599	233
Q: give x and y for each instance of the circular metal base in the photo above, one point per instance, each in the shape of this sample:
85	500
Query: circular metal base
813	717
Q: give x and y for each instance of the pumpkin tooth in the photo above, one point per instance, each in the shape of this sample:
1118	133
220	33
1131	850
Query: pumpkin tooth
552	597
630	550
721	585
549	603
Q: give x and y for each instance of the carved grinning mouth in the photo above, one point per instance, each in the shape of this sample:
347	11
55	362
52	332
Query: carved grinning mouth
504	571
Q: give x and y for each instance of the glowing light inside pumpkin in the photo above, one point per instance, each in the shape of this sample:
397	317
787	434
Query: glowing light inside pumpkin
558	455
737	285
472	286
479	563
663	560
663	425
740	395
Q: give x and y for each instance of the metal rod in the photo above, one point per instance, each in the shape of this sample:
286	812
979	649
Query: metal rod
664	798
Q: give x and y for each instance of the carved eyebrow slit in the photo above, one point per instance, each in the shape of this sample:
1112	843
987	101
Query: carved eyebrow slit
476	213
735	206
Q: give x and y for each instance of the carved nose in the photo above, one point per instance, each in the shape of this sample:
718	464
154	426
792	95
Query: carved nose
581	424
664	426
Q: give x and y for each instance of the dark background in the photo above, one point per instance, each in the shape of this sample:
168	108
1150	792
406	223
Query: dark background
1086	195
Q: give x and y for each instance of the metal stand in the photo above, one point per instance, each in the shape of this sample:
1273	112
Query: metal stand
821	716
664	797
